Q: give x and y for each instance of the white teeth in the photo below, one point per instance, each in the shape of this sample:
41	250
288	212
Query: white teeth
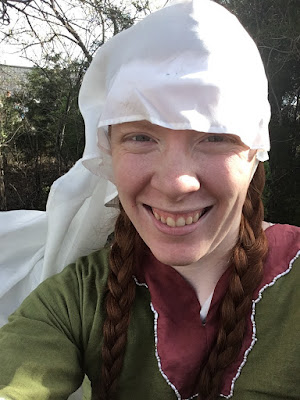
196	217
170	222
189	220
180	222
163	220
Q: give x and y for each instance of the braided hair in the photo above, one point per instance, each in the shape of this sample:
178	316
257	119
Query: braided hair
119	298
247	268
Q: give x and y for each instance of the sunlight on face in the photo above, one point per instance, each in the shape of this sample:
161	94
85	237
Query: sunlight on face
183	190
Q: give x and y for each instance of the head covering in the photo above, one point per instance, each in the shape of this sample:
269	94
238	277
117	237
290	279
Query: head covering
190	65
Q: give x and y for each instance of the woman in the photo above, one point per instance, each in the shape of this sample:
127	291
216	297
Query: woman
193	299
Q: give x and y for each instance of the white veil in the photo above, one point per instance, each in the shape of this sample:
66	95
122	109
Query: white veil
171	69
36	244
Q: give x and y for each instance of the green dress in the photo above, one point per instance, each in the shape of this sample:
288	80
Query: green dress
54	338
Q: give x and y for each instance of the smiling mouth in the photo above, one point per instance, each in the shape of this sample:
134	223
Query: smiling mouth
178	220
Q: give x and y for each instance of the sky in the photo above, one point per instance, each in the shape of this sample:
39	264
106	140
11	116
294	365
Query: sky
12	55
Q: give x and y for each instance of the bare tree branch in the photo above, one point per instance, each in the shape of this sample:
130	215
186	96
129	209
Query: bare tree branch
4	5
70	29
86	24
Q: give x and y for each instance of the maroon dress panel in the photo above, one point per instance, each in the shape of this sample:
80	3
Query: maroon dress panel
183	341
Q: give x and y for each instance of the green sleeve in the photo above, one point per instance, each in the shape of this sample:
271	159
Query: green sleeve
42	347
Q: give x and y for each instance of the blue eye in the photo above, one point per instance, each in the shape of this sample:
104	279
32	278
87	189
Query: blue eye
141	138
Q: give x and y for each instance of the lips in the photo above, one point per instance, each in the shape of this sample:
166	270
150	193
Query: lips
178	220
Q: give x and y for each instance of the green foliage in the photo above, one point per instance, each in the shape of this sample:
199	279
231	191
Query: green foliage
52	102
50	128
275	27
43	132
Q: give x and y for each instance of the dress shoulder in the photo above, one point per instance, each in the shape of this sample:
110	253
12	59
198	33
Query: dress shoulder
284	247
44	345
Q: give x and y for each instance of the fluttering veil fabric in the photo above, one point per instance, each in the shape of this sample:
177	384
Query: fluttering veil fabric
35	244
170	69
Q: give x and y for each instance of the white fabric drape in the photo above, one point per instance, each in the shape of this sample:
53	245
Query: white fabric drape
36	244
190	65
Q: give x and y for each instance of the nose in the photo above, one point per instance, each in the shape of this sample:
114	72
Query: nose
176	176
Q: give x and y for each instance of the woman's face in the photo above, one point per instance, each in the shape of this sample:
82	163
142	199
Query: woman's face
183	190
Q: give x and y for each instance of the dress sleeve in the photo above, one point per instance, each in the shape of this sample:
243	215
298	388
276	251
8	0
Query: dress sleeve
40	347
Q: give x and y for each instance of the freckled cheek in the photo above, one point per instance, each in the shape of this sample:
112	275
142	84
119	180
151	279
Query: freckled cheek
130	175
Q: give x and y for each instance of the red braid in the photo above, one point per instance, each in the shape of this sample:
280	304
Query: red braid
119	299
247	269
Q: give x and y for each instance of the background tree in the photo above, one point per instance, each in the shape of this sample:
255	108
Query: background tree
51	135
275	27
10	127
42	133
77	28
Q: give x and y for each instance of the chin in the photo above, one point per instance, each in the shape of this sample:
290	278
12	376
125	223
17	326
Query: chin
174	260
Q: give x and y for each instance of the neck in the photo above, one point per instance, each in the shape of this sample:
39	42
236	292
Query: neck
204	275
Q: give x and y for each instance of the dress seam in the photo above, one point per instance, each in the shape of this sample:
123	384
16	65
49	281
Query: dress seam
247	351
254	338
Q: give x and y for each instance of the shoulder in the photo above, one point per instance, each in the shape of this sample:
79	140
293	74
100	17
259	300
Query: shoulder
282	264
87	268
284	247
283	234
273	324
90	268
79	283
